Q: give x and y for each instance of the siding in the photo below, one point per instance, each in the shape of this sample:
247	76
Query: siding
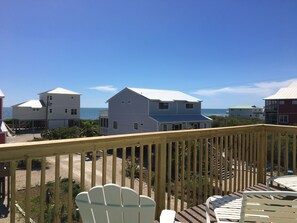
59	103
127	108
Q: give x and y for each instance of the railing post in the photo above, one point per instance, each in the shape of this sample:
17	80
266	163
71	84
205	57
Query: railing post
160	196
262	156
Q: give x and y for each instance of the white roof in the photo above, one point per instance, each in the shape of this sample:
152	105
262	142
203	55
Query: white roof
31	104
244	107
60	91
164	95
1	94
285	93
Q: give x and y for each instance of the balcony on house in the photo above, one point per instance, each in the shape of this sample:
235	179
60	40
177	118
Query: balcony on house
179	169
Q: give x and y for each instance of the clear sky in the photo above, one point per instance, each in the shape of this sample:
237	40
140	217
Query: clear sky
224	52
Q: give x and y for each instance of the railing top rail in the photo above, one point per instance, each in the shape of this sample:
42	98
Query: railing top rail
22	150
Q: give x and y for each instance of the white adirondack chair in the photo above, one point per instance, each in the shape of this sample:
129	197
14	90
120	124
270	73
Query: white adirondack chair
254	206
114	204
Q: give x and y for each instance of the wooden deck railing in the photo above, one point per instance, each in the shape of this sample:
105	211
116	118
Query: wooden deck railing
179	169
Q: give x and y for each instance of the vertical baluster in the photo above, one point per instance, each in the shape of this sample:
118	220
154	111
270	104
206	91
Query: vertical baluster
124	166
28	189
211	167
294	154
189	174
82	170
94	160
230	158
104	166
42	189
182	176
156	183
200	189
70	191
114	165
13	190
279	153
169	175
57	189
206	158
286	161
247	148
239	162
272	154
221	164
176	183
195	172
149	167
217	165
226	165
141	170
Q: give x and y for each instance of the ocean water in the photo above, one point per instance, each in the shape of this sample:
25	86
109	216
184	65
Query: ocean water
93	113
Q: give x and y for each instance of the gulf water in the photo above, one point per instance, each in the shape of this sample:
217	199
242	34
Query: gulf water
93	113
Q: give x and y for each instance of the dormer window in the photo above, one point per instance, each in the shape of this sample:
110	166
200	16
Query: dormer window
163	105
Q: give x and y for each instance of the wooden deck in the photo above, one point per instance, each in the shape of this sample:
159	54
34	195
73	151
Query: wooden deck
197	213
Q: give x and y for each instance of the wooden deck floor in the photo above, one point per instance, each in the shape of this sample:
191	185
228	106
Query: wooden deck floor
197	213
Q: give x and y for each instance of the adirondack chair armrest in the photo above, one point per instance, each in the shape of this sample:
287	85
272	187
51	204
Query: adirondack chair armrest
167	216
207	209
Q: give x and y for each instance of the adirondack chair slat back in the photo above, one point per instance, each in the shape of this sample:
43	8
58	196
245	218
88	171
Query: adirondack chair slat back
114	204
261	208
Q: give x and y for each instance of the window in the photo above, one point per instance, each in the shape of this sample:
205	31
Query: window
136	126
104	122
283	119
115	125
281	102
73	111
294	102
189	106
51	97
51	110
66	110
165	128
163	105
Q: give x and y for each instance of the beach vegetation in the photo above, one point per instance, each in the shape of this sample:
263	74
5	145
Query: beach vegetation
224	121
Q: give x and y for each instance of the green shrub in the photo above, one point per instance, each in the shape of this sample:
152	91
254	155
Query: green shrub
36	164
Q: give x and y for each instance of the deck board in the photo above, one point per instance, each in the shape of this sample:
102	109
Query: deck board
197	213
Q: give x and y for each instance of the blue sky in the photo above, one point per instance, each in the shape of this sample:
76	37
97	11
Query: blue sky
226	53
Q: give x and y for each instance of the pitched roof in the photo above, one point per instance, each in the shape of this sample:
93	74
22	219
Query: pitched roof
30	104
60	91
1	94
289	92
164	95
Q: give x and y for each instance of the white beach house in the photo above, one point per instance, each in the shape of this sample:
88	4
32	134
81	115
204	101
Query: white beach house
135	110
55	108
246	111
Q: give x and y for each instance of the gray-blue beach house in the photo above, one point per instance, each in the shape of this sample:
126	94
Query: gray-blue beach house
136	110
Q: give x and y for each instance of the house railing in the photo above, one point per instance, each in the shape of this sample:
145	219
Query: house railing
179	169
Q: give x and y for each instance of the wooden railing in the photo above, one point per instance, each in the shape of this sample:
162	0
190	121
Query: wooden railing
179	169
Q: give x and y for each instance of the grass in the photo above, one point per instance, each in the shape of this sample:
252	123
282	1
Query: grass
35	202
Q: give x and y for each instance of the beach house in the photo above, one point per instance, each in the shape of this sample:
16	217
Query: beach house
136	110
281	108
246	111
55	109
